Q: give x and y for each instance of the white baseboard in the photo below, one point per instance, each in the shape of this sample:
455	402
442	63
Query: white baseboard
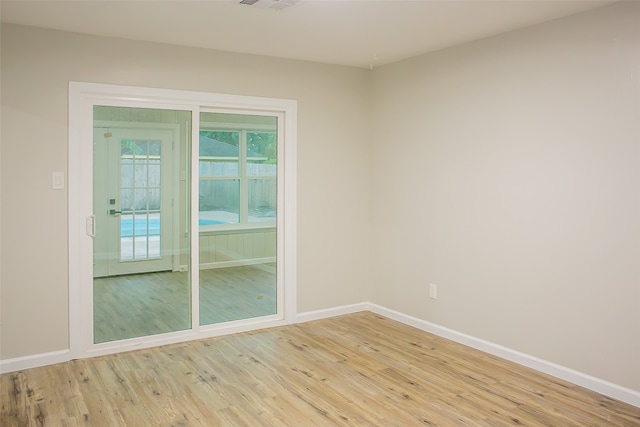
34	361
236	263
44	359
598	385
331	312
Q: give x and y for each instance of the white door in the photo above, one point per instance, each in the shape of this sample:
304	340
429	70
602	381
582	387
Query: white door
132	200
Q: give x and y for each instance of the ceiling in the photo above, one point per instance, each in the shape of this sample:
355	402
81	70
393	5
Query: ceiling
358	33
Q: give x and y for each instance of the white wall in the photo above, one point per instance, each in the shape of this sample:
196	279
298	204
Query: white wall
37	66
507	172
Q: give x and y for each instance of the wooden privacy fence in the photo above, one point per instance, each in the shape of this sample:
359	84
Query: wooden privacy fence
219	186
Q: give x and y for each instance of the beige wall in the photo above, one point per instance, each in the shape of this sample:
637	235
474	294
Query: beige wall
507	172
36	68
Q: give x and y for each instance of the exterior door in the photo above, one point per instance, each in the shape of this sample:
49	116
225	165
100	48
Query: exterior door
138	164
132	201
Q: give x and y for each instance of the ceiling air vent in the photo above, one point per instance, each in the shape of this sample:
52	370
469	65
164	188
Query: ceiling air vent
270	4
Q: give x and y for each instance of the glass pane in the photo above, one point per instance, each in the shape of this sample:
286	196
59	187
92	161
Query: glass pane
141	149
209	168
140	173
126	226
237	218
262	153
126	148
153	224
126	248
154	173
219	201
219	153
154	199
126	200
153	247
262	200
154	149
140	199
140	247
126	173
140	225
141	280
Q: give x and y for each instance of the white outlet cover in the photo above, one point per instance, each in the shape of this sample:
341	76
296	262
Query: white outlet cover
57	180
433	291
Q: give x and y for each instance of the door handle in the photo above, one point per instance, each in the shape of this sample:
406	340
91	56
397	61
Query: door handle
114	212
90	226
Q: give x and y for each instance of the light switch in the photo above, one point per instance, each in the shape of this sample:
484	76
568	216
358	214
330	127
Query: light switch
57	181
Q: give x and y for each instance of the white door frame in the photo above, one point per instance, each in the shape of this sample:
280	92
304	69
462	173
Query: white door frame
82	98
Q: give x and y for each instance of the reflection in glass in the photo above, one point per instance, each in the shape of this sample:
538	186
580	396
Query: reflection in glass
262	200
141	280
237	204
220	201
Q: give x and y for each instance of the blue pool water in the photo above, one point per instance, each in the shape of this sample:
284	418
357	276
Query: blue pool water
127	225
209	222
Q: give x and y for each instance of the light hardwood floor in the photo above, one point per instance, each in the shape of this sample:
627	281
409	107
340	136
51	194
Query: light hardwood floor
355	370
153	303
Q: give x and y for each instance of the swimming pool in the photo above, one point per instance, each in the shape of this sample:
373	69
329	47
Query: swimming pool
128	226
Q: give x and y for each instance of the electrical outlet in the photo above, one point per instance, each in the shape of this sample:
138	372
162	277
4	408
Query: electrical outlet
433	291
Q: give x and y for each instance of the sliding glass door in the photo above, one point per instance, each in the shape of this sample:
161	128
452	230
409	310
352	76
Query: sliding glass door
179	225
237	211
141	282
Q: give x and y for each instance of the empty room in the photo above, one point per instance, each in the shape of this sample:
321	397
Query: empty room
320	213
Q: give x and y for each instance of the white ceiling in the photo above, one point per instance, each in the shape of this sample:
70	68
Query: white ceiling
359	33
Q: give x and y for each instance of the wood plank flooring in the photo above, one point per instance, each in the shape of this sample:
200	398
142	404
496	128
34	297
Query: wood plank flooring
355	370
153	303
